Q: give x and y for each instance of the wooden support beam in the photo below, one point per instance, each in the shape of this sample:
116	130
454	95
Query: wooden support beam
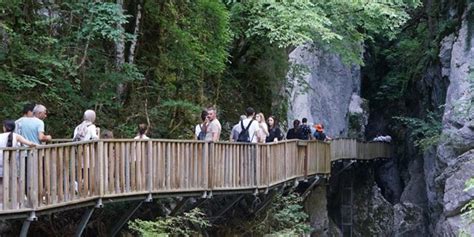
84	220
124	219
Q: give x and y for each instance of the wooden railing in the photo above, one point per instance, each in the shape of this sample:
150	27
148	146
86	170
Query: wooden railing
60	174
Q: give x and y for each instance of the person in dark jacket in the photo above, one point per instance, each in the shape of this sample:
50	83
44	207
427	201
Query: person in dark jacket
304	130
274	131
293	133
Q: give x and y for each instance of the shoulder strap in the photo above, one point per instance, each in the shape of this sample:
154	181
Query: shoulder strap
242	124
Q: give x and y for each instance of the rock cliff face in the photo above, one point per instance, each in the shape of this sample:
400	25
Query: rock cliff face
413	195
321	90
455	154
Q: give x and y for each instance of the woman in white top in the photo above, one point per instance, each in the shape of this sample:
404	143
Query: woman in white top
86	130
9	139
262	133
142	130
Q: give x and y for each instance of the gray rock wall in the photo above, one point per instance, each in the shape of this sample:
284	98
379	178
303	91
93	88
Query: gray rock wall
316	207
322	90
455	155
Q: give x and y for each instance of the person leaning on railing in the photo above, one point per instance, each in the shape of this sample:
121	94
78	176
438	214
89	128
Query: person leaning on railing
9	139
319	133
274	131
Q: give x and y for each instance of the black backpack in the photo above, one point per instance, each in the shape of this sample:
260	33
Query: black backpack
202	134
244	134
304	132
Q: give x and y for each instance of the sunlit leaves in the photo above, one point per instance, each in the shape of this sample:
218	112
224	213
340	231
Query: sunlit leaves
340	26
101	19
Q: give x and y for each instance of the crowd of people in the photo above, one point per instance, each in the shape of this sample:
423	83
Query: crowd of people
29	130
253	128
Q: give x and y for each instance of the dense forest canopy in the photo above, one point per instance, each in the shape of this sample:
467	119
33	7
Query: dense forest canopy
162	61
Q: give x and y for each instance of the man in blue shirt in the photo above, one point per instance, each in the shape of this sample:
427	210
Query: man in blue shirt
33	128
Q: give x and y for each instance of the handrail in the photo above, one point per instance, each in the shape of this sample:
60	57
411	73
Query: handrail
59	174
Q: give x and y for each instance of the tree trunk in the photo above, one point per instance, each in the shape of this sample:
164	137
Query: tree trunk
120	58
133	45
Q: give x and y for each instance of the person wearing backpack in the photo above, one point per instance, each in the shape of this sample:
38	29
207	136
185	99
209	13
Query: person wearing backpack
304	130
234	134
86	130
201	128
249	127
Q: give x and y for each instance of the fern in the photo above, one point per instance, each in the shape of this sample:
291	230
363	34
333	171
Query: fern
425	132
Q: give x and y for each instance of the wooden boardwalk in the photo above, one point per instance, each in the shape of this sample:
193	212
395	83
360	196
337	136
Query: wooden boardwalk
55	176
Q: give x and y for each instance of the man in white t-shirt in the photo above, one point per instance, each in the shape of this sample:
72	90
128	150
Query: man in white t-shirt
214	127
253	129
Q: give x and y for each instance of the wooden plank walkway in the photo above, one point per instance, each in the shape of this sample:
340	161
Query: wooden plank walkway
52	176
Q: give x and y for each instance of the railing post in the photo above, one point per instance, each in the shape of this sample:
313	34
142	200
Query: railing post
269	149
205	166
306	160
285	166
210	168
256	165
149	172
100	167
32	177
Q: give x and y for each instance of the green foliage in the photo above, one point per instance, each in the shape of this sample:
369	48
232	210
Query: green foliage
100	20
425	132
285	217
395	66
182	225
340	26
183	57
190	54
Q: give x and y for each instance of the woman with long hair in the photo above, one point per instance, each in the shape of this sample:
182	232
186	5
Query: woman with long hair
9	139
262	132
274	132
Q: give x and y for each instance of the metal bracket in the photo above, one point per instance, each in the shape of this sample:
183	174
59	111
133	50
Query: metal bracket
149	198
99	203
32	216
